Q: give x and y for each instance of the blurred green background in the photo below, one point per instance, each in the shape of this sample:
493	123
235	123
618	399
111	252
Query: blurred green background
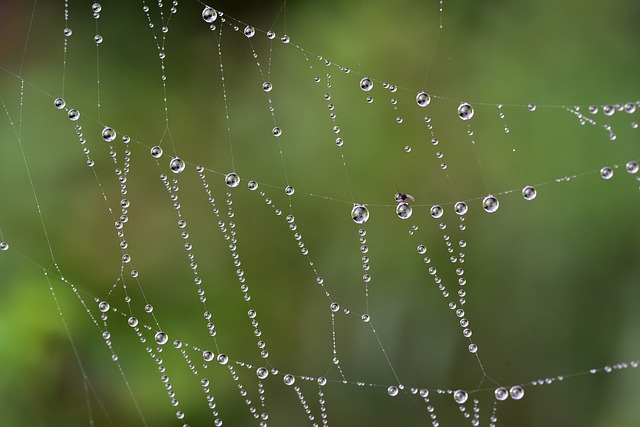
552	283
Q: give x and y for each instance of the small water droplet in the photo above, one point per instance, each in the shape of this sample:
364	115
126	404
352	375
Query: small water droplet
289	190
392	390
276	131
529	193
98	39
252	185
74	114
608	110
501	393
223	359
632	167
606	172
460	396
531	107
103	306
267	86
156	152
436	211
59	103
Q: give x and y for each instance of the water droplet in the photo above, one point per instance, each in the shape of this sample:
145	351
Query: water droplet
608	110
465	111
249	31
531	107
393	391
516	392
276	131
177	165
461	208
98	39
366	318
322	381
529	193
148	308
460	396
632	167
399	119
423	99
289	190
473	348
108	134
267	86
490	204
74	114
289	379
271	35
207	355
156	152
133	322
161	338
403	210
360	214
252	185
422	249
59	103
335	307
501	393
606	172
436	211
285	39
209	14
103	306
366	84
223	359
232	180
68	32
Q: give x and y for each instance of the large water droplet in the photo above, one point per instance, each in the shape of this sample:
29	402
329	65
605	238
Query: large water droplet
423	99
103	306
249	31
436	211
461	208
366	84
161	338
223	359
276	131
460	396
156	152
501	393
529	193
74	114
177	165
516	392
403	210
360	214
490	204
289	379
262	373
465	111
209	14
606	172
59	103
108	134
392	390
632	167
267	86
232	180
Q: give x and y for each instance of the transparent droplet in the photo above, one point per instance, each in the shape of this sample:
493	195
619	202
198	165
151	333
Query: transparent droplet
461	208
289	190
423	99
608	110
460	396
360	214
366	84
177	165
252	185
207	355
403	210
516	392
322	381
108	134
103	306
161	338
529	193
632	167
223	359
436	211
148	308
473	348
232	180
289	379
392	390
267	86
276	131
133	322
74	114
501	393
4	246
156	152
606	172
366	318
271	35
96	7
465	111
68	32
249	31
531	107
209	14
59	103
422	249
285	39
490	204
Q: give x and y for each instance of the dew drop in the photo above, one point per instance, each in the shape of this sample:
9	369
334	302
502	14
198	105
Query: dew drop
103	306
98	39
74	114
501	393
271	35
606	172
531	107
223	359
68	32
252	185
490	204
529	193
59	103
108	134
285	39
232	180
366	84
156	152
177	165
473	348
322	381
403	210
460	396
161	338
360	214
207	355
465	111
267	86
289	379
423	99
366	318
209	14
422	249
632	167
289	190
148	308
461	208
249	31
608	110
436	211
133	322
516	392
393	391
276	131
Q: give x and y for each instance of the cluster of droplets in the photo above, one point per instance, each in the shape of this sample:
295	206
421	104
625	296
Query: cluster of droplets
403	208
97	8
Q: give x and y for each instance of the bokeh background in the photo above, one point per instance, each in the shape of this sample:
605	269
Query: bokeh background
552	283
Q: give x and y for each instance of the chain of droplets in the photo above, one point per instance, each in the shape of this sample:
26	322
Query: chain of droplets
160	45
67	33
263	416
608	110
98	39
232	180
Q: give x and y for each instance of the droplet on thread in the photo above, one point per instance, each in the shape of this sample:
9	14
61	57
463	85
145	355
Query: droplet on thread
360	214
423	99
366	84
465	111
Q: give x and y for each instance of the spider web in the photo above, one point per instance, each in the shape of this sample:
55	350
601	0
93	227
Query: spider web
431	222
